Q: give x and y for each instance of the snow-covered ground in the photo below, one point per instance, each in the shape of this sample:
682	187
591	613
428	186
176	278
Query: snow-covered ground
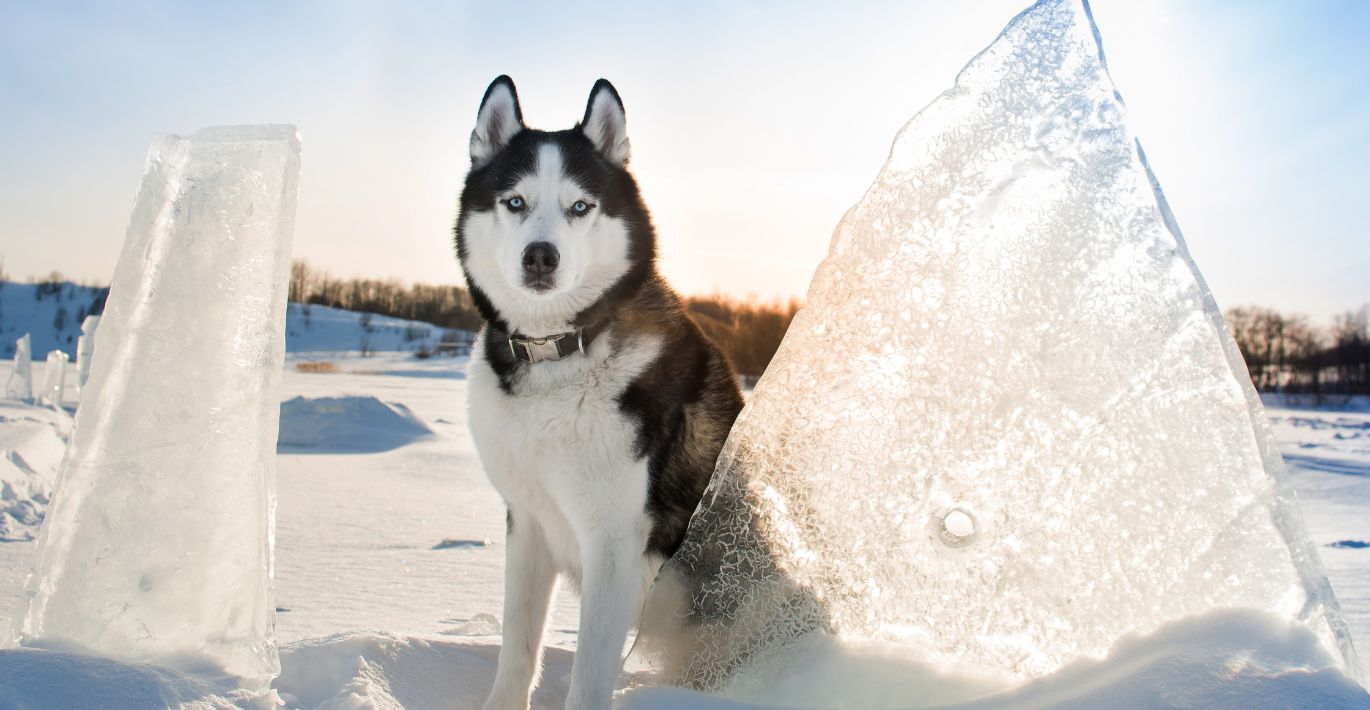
389	555
357	533
314	328
1328	454
51	314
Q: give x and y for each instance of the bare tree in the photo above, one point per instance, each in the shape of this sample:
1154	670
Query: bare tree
1287	353
1349	358
749	332
300	281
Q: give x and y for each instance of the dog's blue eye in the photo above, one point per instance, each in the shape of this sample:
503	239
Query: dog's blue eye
580	207
515	203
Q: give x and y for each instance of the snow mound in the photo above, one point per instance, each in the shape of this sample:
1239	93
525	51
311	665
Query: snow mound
36	679
341	672
32	440
347	425
1223	660
356	671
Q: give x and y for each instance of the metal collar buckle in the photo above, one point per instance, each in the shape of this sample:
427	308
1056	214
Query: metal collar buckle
548	348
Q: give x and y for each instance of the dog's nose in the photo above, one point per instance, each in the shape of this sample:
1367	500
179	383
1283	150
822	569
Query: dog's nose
540	258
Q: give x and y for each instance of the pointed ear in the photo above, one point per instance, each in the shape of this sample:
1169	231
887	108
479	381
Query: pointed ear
500	118
604	123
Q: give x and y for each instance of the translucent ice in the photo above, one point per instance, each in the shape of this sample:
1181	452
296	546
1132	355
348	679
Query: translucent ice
19	384
54	379
85	349
1010	426
158	544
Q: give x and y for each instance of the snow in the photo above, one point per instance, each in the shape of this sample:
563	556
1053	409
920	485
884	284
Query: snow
354	424
50	313
38	679
32	440
373	610
314	328
382	671
32	309
1224	659
1013	336
358	531
158	544
1328	453
1227	661
338	672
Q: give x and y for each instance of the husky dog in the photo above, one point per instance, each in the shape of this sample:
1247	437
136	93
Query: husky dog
597	406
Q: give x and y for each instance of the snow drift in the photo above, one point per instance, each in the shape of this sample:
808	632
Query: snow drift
32	440
1224	660
347	425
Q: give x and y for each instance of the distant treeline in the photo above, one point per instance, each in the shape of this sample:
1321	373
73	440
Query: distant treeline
445	306
748	331
85	299
1287	353
1284	353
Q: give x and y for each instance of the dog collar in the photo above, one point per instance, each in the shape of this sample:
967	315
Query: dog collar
552	347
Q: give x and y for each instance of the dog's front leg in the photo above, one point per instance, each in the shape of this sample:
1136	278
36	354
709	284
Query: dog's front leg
611	590
529	583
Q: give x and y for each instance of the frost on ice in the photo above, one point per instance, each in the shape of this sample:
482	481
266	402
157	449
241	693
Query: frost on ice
158	544
1010	426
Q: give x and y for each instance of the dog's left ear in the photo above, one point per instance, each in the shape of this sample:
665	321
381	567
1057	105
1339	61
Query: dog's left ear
604	123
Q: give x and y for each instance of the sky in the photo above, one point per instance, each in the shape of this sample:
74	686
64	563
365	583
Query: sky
754	125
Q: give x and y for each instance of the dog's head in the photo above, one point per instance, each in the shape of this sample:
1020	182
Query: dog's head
551	228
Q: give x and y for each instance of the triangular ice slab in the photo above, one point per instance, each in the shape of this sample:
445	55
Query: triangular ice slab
1010	425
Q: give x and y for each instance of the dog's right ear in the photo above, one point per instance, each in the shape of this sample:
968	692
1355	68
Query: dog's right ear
498	120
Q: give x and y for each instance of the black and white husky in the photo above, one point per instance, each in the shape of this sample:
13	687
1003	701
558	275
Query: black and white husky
597	406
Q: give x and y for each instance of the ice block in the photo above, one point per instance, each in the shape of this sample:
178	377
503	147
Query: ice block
158	543
1010	426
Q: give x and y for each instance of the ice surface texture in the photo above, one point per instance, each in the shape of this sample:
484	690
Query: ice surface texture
1008	327
158	544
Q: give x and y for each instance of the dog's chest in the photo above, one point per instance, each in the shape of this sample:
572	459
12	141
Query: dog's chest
573	425
560	442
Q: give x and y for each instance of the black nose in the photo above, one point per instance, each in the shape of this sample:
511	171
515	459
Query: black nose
540	259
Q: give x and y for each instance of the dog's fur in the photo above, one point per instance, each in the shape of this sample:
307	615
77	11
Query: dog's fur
601	456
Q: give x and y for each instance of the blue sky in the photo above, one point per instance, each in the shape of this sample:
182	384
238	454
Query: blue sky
754	126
